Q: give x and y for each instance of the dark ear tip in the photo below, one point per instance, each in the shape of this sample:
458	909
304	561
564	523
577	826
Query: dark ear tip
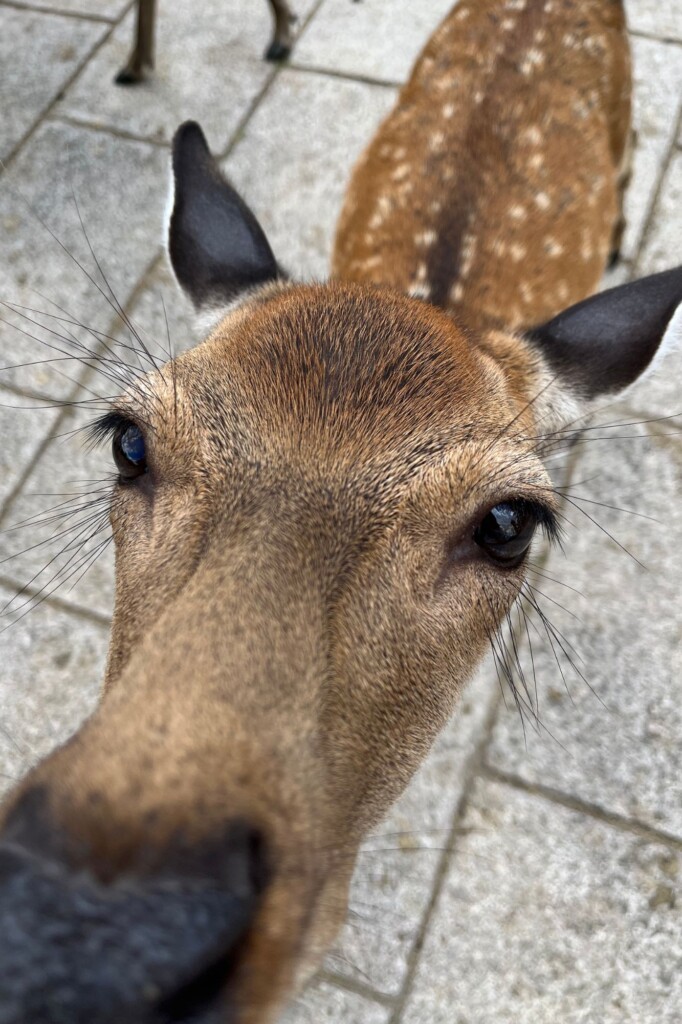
189	144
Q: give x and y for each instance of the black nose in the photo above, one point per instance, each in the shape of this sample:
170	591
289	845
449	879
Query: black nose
146	950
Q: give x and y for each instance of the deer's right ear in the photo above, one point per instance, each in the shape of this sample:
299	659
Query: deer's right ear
217	247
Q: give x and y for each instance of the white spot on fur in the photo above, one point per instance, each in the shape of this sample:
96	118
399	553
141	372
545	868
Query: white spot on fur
534	58
467	255
437	141
543	201
517	212
536	161
517	252
419	290
457	292
507	24
435	206
527	293
401	172
448	111
533	135
425	238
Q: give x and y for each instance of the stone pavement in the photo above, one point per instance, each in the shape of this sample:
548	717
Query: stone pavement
530	874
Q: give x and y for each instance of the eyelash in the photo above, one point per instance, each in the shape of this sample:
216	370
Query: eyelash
546	518
106	427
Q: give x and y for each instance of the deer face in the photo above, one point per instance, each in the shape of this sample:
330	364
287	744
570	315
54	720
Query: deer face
323	513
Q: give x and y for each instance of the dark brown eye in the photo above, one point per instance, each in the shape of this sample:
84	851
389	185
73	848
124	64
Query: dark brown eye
129	452
507	531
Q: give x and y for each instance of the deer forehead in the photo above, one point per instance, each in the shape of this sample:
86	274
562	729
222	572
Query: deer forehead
365	395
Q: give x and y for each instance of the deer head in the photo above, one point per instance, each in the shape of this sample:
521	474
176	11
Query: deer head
323	513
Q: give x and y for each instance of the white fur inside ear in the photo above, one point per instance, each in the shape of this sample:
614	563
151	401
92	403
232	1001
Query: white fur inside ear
209	316
672	339
168	209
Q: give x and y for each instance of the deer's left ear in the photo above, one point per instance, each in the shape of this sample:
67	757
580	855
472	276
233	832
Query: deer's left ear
605	343
216	246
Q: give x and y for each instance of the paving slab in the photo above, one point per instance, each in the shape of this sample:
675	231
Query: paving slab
658	19
547	916
323	1003
59	520
657	70
23	430
293	169
108	9
396	868
51	667
663	245
120	187
161	302
660	393
616	746
375	40
209	67
71	471
56	45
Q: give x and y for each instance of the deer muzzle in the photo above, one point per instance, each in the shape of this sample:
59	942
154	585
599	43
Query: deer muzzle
150	948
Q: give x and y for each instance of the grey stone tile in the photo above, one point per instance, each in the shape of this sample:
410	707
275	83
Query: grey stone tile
22	430
377	40
617	747
323	1003
163	299
51	666
662	20
44	541
120	187
69	470
29	40
295	159
110	9
663	245
657	103
209	67
396	868
550	916
660	392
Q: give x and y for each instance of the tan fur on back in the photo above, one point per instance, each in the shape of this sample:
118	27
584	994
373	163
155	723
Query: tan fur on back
492	188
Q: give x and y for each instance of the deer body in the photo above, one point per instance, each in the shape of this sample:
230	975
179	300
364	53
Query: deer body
494	186
323	513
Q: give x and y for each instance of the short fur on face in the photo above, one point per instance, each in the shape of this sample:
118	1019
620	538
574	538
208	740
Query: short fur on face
303	580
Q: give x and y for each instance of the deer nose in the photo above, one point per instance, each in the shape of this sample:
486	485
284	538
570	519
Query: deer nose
145	950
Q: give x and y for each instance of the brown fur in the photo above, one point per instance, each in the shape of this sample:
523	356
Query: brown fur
299	600
492	189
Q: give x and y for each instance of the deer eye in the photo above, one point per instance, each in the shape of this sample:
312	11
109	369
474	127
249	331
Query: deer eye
129	452
505	534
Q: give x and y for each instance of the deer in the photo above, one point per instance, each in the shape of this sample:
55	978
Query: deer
322	514
141	60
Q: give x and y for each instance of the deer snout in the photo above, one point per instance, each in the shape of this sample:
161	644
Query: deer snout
147	948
